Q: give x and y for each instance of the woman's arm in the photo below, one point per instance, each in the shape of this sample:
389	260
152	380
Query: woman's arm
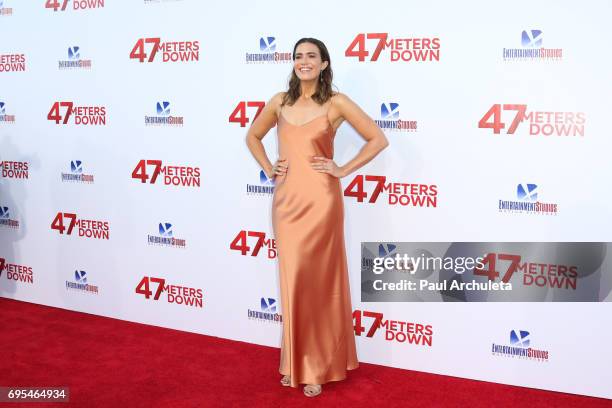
365	126
259	128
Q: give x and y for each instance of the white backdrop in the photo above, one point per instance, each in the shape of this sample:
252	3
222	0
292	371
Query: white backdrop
472	167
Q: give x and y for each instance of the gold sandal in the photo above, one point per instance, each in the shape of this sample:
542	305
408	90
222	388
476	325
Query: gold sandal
286	381
312	390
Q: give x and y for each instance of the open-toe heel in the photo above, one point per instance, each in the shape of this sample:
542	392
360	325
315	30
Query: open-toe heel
312	390
286	381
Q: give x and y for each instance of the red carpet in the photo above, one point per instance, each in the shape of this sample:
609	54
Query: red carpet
112	363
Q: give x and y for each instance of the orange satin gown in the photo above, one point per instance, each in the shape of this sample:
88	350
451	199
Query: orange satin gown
318	342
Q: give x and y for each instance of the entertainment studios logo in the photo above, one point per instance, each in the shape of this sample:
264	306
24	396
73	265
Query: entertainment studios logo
5	11
80	283
267	311
390	119
5	219
527	202
76	174
532	50
264	188
74	60
163	117
5	118
520	342
166	237
268	54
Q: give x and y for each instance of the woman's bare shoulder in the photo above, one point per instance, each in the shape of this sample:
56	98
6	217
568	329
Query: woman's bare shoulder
339	99
278	97
277	100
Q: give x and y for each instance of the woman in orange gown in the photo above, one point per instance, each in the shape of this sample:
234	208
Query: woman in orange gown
318	343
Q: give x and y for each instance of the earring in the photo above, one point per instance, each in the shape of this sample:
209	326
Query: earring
321	76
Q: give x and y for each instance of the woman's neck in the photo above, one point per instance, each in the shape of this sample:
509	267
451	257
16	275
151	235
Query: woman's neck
308	88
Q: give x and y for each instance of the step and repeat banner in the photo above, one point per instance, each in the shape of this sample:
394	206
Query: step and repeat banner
477	241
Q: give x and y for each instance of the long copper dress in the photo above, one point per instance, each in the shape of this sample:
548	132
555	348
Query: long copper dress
318	342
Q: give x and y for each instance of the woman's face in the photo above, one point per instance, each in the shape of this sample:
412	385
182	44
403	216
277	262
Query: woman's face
307	64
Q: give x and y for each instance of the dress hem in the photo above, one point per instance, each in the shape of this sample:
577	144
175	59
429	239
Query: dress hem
317	381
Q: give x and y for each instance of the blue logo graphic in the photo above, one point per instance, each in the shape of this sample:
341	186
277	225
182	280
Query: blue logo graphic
265	180
519	338
76	167
80	276
4	213
269	305
2	108
389	110
74	53
165	229
382	251
80	283
267	44
531	38
163	108
1	3
527	192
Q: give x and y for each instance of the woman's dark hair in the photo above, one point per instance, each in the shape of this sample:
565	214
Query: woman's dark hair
324	87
